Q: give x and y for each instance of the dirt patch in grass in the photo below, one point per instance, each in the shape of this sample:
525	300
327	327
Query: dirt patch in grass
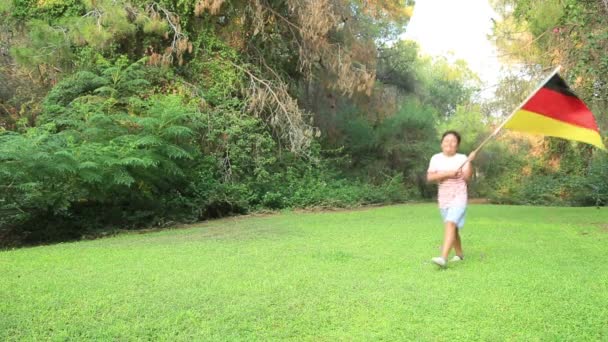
367	207
235	227
602	227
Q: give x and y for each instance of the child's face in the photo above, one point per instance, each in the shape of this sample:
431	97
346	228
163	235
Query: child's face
449	144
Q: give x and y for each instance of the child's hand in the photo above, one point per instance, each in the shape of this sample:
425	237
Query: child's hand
453	174
472	156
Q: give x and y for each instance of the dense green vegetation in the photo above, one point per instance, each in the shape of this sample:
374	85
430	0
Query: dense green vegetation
126	114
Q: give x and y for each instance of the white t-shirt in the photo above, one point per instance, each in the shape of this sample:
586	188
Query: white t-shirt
452	192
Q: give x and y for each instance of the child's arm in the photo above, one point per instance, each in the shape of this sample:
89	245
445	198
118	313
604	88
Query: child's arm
439	176
467	169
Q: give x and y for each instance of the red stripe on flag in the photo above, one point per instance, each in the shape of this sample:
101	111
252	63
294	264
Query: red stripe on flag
561	107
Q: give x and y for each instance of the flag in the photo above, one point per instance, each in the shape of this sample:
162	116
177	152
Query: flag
555	110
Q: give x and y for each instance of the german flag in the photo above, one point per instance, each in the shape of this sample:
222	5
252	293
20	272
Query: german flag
555	110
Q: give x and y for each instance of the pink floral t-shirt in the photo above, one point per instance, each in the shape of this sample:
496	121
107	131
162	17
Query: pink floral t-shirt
452	192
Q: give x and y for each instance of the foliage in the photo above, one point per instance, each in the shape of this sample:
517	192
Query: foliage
92	148
399	66
400	144
124	114
446	85
437	82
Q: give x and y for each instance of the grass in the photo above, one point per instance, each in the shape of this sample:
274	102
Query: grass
531	273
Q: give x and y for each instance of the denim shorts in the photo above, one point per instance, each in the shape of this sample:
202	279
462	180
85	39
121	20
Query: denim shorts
455	215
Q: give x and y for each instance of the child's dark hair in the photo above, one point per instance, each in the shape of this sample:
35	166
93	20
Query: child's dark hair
454	133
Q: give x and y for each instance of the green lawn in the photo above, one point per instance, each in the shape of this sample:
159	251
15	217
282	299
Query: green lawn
531	273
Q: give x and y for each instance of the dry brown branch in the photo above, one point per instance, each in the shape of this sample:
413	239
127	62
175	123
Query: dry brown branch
180	43
311	22
213	6
270	99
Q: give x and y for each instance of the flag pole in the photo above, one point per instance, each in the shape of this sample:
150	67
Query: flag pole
555	71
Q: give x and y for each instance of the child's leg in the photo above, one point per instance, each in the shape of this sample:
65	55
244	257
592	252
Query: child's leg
449	237
458	244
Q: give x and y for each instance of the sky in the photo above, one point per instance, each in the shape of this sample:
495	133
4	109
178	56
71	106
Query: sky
457	29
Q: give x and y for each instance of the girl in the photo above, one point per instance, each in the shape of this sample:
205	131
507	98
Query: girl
447	169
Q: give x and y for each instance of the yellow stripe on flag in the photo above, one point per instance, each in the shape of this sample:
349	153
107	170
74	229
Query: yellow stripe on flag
534	123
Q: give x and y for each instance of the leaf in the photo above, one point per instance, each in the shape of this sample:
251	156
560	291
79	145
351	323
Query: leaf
123	177
91	177
88	165
147	141
106	90
176	152
178	132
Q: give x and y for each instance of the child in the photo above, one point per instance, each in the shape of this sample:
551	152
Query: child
445	169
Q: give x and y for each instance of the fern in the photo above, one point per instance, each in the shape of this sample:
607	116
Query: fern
136	162
148	141
177	132
122	177
80	84
175	152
